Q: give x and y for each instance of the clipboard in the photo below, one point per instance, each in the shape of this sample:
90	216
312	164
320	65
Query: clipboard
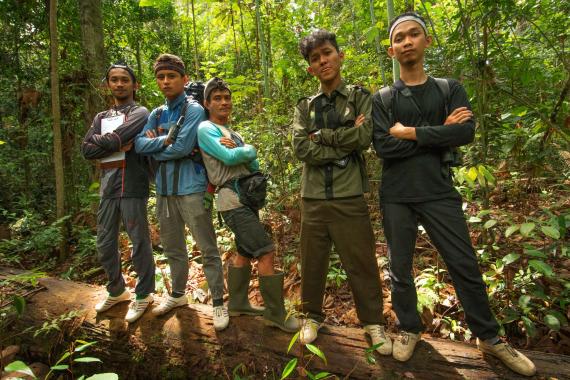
108	125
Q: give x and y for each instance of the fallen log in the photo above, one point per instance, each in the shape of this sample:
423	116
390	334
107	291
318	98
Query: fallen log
184	345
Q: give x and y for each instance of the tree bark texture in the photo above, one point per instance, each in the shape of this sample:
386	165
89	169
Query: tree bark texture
183	344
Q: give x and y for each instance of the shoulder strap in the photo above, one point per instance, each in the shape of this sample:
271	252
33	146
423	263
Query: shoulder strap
443	85
386	96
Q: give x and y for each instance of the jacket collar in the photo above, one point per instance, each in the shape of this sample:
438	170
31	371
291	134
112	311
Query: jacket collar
341	89
177	101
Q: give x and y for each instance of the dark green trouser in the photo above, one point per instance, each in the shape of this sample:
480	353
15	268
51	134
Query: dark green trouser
346	224
445	224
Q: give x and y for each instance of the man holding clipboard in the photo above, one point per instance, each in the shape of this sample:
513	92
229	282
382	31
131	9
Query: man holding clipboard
124	191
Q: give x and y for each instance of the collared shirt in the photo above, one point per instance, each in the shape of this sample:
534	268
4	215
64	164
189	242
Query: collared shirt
327	142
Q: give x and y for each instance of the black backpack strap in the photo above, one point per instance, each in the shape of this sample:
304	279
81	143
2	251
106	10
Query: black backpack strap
443	86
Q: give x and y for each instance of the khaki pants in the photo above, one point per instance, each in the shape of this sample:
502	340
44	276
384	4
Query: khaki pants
346	224
174	212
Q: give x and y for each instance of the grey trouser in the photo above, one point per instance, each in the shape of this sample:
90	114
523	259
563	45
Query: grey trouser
346	224
132	212
445	224
174	212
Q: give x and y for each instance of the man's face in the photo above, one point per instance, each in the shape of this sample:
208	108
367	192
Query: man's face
171	83
121	84
220	104
325	62
409	42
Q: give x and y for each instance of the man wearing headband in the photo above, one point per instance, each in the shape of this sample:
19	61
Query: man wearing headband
180	186
330	131
227	158
412	127
124	189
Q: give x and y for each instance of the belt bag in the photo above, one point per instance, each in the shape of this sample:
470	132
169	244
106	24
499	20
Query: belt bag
250	188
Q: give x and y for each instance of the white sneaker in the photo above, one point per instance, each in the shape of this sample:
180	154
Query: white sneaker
378	336
169	304
112	301
509	356
221	318
404	345
137	308
309	331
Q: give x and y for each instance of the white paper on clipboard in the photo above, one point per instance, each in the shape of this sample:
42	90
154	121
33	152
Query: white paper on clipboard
108	125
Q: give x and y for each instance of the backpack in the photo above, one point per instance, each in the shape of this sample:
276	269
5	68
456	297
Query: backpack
251	189
450	156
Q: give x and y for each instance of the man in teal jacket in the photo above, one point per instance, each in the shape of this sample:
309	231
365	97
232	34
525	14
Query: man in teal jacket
180	187
227	157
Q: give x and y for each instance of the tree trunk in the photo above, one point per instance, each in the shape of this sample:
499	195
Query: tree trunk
57	139
377	44
263	49
391	15
93	55
183	344
196	57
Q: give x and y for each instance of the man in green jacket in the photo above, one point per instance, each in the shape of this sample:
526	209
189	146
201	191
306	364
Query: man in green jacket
330	131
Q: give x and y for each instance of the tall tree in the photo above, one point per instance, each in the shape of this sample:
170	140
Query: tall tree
263	49
55	109
94	57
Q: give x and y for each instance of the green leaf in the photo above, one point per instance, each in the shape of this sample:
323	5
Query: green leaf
526	228
63	357
511	258
511	230
60	367
288	368
529	326
19	304
535	253
524	300
552	322
104	376
19	366
472	174
551	232
84	346
542	267
293	340
315	350
489	223
474	219
87	359
321	375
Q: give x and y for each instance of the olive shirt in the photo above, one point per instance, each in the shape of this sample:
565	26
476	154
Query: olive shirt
412	170
321	178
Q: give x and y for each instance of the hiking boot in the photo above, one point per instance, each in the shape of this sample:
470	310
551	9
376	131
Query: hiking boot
404	345
169	304
238	286
221	318
110	301
378	336
137	308
309	331
271	288
513	359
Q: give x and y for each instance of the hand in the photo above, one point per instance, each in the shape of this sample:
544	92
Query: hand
150	134
458	116
402	132
359	121
168	142
127	147
228	143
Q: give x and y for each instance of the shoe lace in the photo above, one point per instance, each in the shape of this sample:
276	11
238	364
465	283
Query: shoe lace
511	350
405	338
220	311
377	330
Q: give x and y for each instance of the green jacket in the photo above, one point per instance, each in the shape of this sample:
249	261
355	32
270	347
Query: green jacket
323	174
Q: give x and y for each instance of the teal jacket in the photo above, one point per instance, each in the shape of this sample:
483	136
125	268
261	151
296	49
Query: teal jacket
177	174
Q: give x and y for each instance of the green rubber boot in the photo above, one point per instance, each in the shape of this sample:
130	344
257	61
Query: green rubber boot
238	286
271	288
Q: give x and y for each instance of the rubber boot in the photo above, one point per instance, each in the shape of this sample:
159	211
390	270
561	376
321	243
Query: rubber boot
271	288
238	286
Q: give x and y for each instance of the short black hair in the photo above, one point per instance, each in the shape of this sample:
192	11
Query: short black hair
215	84
316	39
413	14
